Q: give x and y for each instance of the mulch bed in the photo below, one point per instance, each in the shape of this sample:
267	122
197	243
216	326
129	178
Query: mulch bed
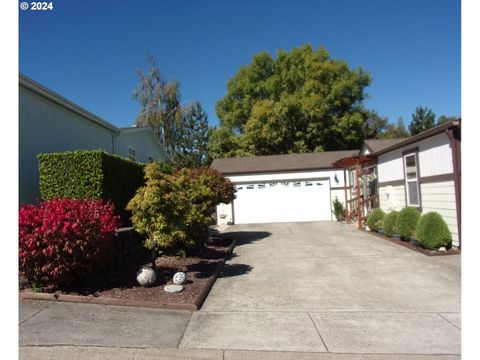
414	245
122	289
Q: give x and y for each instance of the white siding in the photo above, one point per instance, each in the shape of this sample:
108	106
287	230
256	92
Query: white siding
440	197
392	197
390	166
434	158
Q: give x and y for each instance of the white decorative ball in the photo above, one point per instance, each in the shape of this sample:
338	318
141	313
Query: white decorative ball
179	278
146	276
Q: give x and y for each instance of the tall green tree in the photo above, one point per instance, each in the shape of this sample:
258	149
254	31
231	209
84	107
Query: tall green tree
422	119
192	138
160	105
300	101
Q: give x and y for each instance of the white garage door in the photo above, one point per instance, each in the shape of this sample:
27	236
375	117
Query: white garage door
282	201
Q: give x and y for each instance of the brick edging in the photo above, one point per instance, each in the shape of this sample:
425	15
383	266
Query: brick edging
197	302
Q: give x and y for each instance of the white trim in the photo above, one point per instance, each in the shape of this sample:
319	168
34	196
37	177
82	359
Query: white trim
407	180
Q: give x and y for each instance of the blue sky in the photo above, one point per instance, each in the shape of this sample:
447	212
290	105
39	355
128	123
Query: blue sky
88	50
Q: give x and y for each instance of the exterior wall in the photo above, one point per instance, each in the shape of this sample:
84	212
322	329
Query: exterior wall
45	126
440	197
144	143
434	158
392	197
225	211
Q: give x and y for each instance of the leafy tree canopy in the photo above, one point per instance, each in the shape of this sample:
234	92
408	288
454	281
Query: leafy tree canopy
444	119
300	101
395	131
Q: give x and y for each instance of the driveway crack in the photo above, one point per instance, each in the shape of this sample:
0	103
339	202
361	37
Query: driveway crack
318	332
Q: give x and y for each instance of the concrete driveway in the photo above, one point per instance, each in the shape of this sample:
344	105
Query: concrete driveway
326	287
318	290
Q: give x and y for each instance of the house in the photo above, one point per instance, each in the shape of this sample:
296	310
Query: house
279	188
50	123
421	171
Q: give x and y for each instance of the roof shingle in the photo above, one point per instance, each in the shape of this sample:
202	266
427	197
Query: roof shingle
274	163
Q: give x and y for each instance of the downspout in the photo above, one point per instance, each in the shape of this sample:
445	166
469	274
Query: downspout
455	145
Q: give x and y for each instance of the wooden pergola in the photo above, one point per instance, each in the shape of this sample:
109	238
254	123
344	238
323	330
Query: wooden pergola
345	164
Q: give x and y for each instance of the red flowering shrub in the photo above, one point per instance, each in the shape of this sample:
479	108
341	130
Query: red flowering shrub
62	240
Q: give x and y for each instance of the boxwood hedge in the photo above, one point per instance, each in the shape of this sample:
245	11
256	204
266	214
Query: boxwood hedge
90	174
433	231
375	219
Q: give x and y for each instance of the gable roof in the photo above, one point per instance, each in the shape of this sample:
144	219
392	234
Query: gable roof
374	145
423	135
280	163
48	94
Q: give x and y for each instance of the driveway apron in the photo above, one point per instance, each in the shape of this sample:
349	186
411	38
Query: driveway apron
327	287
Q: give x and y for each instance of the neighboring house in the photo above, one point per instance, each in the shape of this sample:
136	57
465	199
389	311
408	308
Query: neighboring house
422	171
50	123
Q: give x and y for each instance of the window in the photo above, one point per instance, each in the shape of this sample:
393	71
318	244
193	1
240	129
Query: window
262	186
250	187
308	183
297	184
410	163
131	153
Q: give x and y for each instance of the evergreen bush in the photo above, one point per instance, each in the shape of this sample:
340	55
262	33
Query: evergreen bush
406	224
433	232
389	227
375	219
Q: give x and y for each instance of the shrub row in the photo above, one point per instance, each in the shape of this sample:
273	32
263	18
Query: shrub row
90	174
429	229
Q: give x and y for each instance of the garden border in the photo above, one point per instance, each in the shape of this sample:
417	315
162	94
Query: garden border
408	245
90	299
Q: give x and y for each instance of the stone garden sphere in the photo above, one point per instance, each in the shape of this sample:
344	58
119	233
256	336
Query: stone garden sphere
146	276
179	278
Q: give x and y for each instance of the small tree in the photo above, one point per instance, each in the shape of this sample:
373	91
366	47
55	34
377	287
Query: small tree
174	210
338	209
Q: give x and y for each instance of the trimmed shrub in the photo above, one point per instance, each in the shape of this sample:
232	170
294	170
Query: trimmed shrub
433	232
389	226
375	219
92	174
407	220
174	210
63	240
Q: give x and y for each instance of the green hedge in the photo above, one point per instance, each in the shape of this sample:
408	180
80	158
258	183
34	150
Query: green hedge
90	174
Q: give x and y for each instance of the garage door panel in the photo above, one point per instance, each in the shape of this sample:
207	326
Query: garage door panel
288	201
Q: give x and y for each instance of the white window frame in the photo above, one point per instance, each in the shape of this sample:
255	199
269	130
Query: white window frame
416	179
